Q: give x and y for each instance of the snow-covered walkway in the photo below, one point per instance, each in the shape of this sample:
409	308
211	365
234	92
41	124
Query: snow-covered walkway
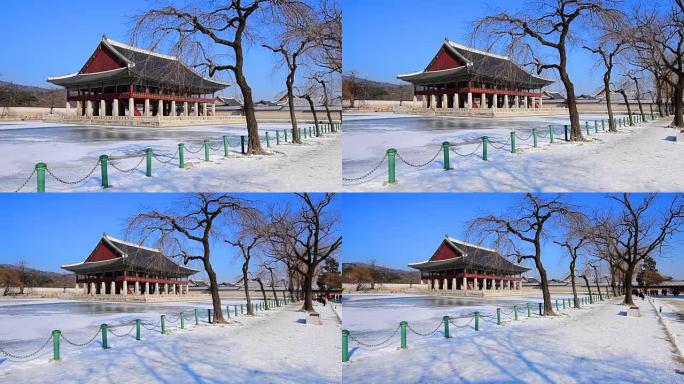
273	347
634	159
71	154
597	344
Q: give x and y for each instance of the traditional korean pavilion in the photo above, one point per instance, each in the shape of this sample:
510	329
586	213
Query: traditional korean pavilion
457	265
121	80
117	267
461	77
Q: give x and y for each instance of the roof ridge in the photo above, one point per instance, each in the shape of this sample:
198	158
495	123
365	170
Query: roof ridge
110	238
453	240
467	48
137	49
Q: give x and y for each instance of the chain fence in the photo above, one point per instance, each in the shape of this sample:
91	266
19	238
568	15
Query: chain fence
19	357
367	174
75	344
73	182
376	344
128	170
419	165
26	181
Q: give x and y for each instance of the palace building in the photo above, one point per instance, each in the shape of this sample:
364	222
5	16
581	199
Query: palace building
117	267
461	78
457	265
120	82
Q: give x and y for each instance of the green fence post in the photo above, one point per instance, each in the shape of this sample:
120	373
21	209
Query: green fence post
268	140
550	134
477	321
148	156
40	176
310	132
557	309
603	125
345	345
534	137
285	134
137	329
540	309
209	316
182	318
529	312
498	316
56	334
391	160
402	325
163	324
515	312
181	155
563	304
512	142
242	144
446	326
566	133
445	149
277	137
225	145
103	170
103	331
242	309
586	123
235	309
228	310
485	144
196	317
206	150
595	126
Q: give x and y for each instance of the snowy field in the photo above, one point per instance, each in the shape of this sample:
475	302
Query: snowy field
71	153
275	346
595	344
634	159
672	312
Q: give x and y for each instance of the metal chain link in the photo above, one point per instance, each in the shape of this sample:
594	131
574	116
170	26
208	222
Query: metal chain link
218	148
84	344
111	330
153	326
26	181
439	325
451	147
374	345
352	179
113	164
420	165
198	149
464	325
168	318
27	356
76	181
503	146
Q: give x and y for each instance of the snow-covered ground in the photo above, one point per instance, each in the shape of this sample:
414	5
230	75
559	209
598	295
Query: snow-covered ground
71	153
273	347
635	159
672	312
595	344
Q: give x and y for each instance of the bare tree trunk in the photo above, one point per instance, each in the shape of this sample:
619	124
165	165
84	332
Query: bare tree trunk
629	109
638	95
586	282
308	292
326	103
245	281
213	288
611	120
253	141
263	291
546	294
677	103
576	129
315	116
575	299
628	285
290	104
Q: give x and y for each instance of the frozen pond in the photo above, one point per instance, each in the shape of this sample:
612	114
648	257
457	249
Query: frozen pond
380	315
28	323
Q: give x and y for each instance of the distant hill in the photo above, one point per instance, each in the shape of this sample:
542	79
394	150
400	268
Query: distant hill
17	95
39	278
365	89
384	274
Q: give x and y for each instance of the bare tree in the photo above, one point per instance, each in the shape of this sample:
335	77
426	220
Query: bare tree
546	25
597	278
24	275
622	89
307	238
258	278
641	230
636	79
522	231
326	99
658	37
308	95
576	239
608	48
586	283
246	244
208	29
194	221
272	280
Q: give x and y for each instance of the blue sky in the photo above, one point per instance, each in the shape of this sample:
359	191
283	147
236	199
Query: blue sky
383	38
48	230
51	38
399	228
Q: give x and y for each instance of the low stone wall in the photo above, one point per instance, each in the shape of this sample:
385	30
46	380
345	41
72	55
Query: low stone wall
145	121
482	112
